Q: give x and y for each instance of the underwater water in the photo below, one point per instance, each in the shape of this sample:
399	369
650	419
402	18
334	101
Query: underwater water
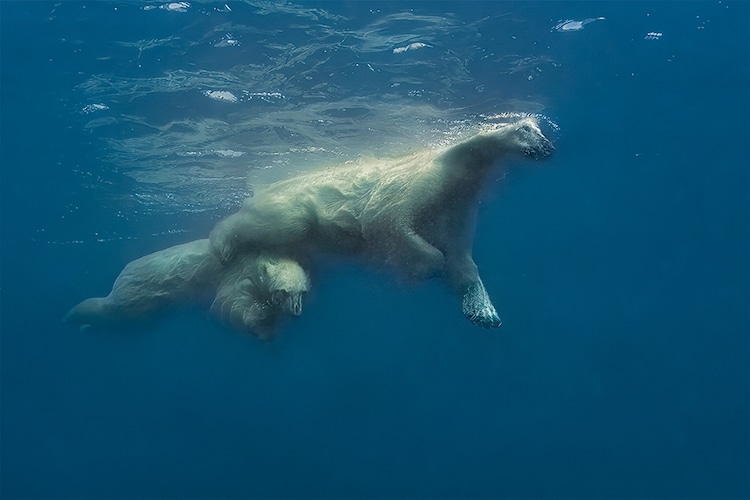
619	265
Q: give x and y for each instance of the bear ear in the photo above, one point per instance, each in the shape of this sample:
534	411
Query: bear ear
268	272
265	270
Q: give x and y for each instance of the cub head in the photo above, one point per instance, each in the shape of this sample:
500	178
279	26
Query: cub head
287	283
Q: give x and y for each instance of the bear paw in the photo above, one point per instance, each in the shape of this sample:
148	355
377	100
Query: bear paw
478	308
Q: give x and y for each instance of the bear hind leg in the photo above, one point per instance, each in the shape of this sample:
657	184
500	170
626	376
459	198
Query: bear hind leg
476	304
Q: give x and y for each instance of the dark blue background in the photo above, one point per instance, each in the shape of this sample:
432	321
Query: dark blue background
620	268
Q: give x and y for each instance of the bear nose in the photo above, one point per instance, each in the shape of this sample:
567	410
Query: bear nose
542	149
547	147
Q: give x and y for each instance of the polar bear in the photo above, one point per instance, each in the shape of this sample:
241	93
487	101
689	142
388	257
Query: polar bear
256	291
151	283
416	213
251	294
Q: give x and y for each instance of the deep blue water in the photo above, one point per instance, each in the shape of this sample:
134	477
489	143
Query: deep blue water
619	266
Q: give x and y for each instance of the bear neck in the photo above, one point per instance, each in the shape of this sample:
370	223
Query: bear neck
467	165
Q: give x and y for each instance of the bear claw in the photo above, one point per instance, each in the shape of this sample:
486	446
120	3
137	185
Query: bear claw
486	319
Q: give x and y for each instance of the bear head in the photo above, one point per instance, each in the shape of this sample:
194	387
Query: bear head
523	137
287	284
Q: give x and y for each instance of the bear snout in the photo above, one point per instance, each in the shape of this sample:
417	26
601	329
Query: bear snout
542	149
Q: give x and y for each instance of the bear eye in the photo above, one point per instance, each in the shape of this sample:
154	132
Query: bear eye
278	296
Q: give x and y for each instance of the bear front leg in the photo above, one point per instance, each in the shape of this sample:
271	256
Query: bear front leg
413	256
261	223
475	301
237	305
478	308
225	238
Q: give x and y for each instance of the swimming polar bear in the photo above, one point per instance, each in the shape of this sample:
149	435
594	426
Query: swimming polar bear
257	290
416	213
252	294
